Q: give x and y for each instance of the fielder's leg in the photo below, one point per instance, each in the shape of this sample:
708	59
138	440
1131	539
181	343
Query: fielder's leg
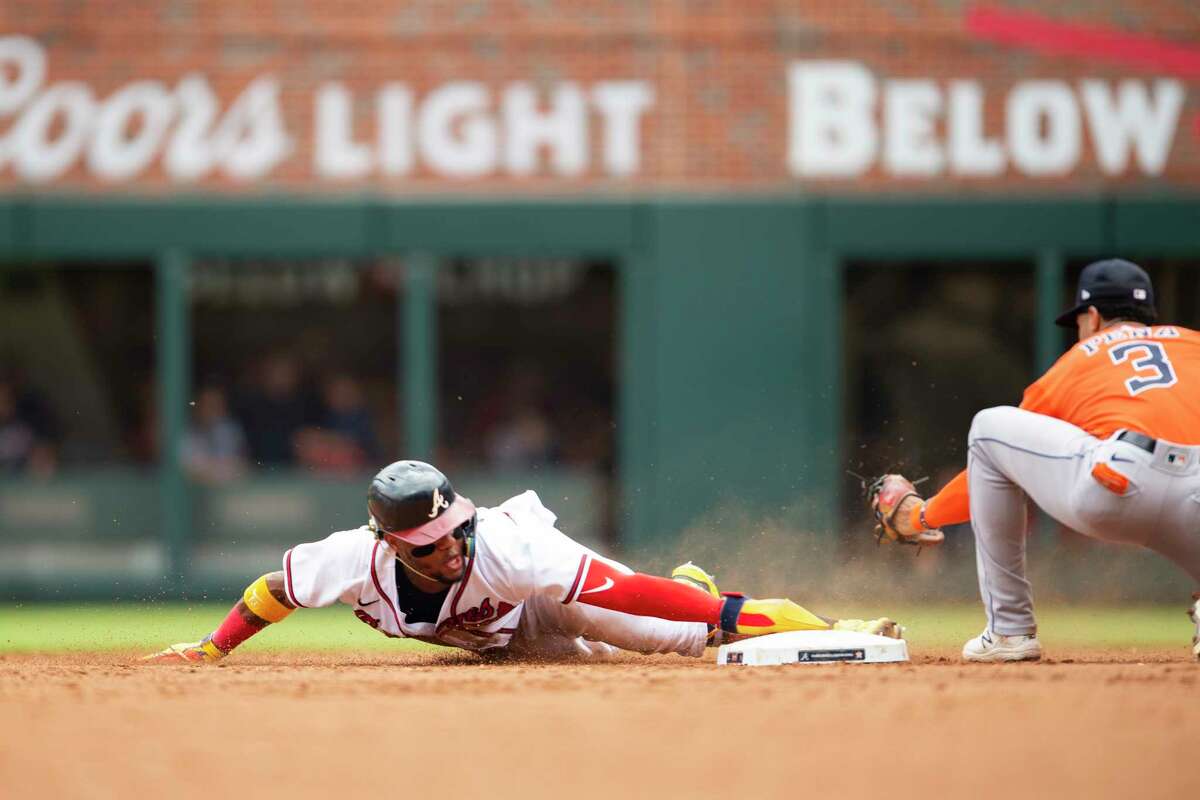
1015	456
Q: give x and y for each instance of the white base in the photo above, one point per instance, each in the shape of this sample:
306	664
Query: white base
813	647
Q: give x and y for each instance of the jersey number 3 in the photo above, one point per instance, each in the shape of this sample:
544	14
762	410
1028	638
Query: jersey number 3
1154	370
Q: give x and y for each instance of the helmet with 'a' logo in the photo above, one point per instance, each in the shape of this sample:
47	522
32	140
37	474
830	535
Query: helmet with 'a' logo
414	502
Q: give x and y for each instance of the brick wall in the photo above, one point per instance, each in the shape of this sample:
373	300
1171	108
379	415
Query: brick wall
689	95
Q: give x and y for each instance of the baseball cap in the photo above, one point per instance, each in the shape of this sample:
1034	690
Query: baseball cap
1107	283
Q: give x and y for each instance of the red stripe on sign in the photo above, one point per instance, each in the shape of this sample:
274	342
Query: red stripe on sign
287	584
583	559
379	588
1044	35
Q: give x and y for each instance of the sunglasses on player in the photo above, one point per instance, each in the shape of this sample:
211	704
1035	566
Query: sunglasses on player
426	550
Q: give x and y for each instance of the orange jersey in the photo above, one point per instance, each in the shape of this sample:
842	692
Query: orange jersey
1135	377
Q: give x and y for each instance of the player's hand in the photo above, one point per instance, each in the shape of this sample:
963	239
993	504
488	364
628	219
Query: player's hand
892	499
203	651
880	627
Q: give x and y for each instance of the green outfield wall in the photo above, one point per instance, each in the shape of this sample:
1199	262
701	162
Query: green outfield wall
729	314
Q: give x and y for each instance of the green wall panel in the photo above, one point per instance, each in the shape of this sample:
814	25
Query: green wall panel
490	228
902	227
1156	227
733	346
129	228
730	310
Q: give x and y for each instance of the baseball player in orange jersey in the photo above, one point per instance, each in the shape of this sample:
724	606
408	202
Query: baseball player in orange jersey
1107	442
429	565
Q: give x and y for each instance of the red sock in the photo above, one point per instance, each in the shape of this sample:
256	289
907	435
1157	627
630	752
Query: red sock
234	630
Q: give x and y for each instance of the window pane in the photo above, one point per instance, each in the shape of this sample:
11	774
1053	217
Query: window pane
526	360
927	346
294	402
78	492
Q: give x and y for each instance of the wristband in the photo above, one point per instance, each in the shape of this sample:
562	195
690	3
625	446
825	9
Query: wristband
916	518
262	603
214	652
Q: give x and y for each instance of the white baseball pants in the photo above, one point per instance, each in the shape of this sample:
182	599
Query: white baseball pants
1017	456
550	629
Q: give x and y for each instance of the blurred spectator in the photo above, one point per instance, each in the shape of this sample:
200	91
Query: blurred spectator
345	441
275	410
214	448
27	432
523	436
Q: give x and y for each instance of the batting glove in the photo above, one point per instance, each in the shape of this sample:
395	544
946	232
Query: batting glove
880	627
203	651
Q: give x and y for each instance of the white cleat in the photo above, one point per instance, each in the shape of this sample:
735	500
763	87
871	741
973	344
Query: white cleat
989	647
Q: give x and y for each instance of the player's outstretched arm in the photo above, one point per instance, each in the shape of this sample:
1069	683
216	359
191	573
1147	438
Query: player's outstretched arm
263	602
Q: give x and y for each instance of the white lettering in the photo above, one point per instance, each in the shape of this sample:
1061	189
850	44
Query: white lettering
910	110
622	104
28	66
971	153
1043	128
24	59
116	155
832	128
563	129
38	158
190	153
395	129
337	154
460	108
1132	119
251	140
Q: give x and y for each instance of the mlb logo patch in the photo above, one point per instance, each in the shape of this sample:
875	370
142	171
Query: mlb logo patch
1177	459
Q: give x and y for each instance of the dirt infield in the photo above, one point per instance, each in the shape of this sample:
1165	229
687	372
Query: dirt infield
1088	723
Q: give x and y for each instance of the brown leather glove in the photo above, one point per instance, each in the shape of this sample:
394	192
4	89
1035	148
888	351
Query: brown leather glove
891	499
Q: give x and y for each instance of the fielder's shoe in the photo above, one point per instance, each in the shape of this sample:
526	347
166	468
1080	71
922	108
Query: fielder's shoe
1194	616
989	646
692	575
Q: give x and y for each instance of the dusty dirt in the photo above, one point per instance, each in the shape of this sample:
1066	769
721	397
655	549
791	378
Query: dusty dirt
1088	724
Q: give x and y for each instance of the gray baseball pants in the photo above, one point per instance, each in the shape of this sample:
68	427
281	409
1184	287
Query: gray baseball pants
1016	456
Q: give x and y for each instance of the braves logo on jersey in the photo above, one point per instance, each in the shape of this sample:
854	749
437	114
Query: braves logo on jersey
476	616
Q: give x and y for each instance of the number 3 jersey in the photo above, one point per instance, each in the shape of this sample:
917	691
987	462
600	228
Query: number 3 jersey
518	554
1132	377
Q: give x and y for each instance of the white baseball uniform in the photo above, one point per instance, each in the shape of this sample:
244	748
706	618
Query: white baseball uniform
519	591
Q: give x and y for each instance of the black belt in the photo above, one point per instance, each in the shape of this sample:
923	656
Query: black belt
1138	440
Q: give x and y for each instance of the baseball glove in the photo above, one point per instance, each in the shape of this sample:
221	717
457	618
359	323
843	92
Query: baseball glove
887	496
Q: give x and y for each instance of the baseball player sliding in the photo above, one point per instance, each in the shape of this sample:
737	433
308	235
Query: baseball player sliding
1107	442
429	565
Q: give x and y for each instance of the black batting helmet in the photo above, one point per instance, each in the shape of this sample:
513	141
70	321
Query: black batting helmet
414	502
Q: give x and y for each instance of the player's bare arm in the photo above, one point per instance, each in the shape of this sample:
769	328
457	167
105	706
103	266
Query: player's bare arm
264	602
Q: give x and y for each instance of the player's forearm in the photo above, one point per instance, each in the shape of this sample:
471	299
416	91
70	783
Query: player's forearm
950	506
263	603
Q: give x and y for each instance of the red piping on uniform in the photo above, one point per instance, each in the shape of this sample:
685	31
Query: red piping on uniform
287	563
578	577
378	588
462	586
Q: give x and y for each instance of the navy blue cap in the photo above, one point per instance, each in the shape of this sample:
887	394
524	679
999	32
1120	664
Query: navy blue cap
1109	283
